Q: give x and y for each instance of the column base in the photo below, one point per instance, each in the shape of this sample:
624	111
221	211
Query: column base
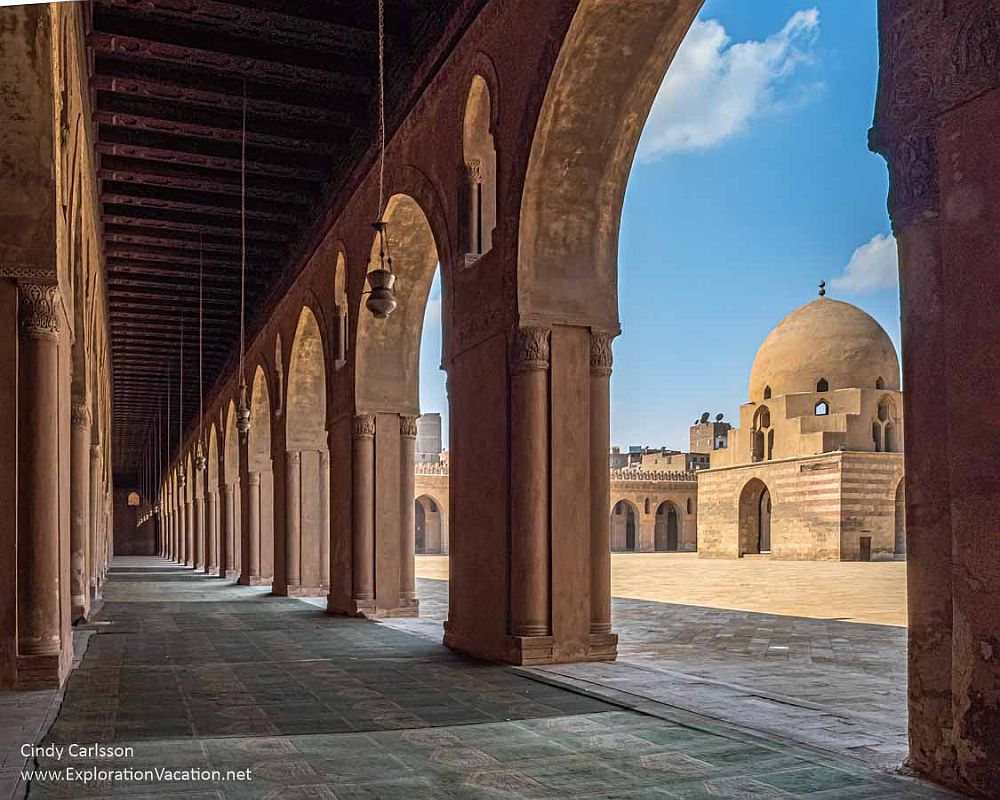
43	672
79	608
304	591
226	573
368	609
528	651
254	580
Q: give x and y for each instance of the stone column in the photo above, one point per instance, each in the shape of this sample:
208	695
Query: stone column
95	501
363	508
212	533
293	518
38	573
200	538
600	482
529	411
914	210
324	518
253	527
473	188
407	514
190	532
227	518
79	500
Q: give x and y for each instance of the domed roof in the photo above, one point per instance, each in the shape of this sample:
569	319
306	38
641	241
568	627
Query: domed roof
825	339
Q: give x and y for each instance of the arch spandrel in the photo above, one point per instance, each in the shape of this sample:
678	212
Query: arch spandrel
231	448
611	64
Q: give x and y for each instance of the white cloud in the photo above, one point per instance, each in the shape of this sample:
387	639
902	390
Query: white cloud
713	89
873	266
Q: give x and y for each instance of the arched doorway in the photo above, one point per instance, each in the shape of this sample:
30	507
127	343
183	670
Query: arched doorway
900	519
307	465
429	533
755	511
624	527
666	537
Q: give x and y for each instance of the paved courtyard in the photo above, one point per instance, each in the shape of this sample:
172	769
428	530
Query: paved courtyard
193	672
793	668
853	591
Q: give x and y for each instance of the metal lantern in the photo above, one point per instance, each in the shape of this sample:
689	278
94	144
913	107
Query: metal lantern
381	300
243	411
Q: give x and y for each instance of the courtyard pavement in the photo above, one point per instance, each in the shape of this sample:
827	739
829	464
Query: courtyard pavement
197	673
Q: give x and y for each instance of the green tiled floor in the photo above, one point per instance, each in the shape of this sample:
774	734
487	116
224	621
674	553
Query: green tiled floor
319	707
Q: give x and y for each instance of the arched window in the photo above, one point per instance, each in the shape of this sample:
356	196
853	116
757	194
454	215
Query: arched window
759	438
646	506
822	408
480	203
877	436
340	329
133	498
822	385
770	445
690	506
883	410
889	437
767	392
879	383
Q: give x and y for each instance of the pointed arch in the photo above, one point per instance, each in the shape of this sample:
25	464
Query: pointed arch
388	351
305	420
624	526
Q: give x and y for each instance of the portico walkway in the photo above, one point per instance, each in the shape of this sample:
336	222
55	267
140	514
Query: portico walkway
193	672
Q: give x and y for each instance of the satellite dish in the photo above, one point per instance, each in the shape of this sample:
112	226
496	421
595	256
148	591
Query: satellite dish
704	417
718	417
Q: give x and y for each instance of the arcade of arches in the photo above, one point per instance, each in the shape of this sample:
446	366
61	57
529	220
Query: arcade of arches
511	127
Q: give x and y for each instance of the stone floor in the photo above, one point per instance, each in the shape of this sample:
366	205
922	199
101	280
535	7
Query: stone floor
196	673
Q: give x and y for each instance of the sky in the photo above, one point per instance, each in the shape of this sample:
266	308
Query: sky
752	182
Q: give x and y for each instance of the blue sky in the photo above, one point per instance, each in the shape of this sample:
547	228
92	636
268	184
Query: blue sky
753	181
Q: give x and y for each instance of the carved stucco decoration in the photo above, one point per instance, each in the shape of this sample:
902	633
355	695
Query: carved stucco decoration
529	348
39	307
408	426
913	185
364	426
80	415
601	357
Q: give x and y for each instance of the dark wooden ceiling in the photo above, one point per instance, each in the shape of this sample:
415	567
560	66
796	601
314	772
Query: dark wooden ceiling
168	82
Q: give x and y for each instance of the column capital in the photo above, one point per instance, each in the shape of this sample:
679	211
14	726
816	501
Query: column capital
474	170
529	348
80	416
293	456
407	426
38	310
253	479
364	426
913	171
601	356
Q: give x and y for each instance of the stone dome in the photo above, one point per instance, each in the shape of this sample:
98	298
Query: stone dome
825	339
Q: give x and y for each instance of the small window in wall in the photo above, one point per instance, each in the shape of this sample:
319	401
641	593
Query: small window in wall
770	445
646	506
822	408
767	392
879	383
822	385
480	201
133	498
877	436
690	506
883	411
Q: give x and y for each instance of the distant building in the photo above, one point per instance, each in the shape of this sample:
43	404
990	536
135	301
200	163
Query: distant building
815	469
429	440
707	436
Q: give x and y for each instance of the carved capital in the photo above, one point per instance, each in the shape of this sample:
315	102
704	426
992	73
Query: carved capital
253	479
529	348
601	356
407	426
38	309
913	184
294	457
474	170
80	415
364	426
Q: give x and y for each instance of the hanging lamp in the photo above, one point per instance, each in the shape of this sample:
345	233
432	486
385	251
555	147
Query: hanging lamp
381	300
243	408
200	462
